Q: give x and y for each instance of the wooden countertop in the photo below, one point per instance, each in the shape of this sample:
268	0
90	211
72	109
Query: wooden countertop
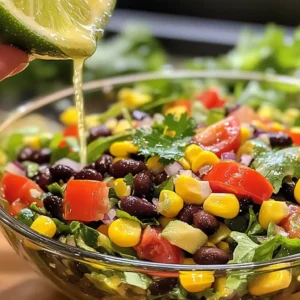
18	281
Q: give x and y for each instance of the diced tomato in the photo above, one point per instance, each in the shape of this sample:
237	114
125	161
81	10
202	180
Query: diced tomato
16	207
16	187
221	137
229	177
245	114
295	136
71	131
291	224
85	200
211	99
155	248
63	144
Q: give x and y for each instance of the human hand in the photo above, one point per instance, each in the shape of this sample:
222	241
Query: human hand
12	61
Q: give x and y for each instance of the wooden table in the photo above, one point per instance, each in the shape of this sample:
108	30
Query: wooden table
18	281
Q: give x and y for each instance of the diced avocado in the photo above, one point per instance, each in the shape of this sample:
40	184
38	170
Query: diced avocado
184	236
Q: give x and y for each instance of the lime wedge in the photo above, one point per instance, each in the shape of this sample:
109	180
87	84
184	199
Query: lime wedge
56	29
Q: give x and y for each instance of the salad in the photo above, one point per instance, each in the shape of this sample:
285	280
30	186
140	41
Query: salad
178	173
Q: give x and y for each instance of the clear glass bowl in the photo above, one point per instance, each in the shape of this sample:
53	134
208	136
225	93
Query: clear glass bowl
68	267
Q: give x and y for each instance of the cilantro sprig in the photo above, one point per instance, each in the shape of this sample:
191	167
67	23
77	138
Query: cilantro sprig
166	140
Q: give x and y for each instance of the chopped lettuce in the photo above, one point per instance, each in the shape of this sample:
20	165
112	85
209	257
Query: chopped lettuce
253	227
144	223
139	280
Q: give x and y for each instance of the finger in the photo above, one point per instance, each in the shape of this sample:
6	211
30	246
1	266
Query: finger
12	61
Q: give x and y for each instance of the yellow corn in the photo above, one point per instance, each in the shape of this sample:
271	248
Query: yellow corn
132	98
245	134
163	221
266	112
270	282
221	287
272	210
111	123
122	127
69	116
45	226
121	189
169	204
32	141
125	232
226	206
103	229
210	244
295	129
223	246
297	191
91	121
290	115
189	261
191	152
123	149
154	165
246	148
275	126
176	111
196	281
204	158
222	233
184	163
192	191
259	125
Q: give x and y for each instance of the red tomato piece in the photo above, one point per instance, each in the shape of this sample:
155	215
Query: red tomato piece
221	137
16	207
211	99
291	224
245	114
85	200
155	248
71	131
295	136
30	193
229	177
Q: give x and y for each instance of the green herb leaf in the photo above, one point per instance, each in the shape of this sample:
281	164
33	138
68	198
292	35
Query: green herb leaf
253	227
128	179
139	280
61	227
13	145
39	210
125	215
32	168
56	189
26	216
166	185
58	154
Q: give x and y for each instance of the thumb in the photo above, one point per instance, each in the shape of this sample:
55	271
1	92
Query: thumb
12	61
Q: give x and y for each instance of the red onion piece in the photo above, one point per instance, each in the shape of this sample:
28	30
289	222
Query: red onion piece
109	217
187	173
155	202
204	170
15	168
279	230
173	168
228	156
246	160
69	163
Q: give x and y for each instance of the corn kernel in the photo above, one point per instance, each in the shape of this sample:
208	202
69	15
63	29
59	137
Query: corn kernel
125	232
224	246
91	121
259	125
191	152
189	261
111	123
132	98
246	148
297	191
222	233
123	149
163	221
176	111
69	116
274	211
154	165
122	127
169	204
245	134
270	282
192	191
275	126
210	244
221	287
266	112
45	226
196	281
103	229
121	189
32	141
204	158
295	129
184	163
226	206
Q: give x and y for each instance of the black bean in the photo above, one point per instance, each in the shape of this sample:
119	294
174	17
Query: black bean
138	207
162	286
97	132
91	166
81	268
103	163
206	222
239	223
160	178
210	256
26	154
137	157
279	139
61	172
139	115
245	202
54	205
287	190
187	213
44	178
43	156
142	184
88	174
124	167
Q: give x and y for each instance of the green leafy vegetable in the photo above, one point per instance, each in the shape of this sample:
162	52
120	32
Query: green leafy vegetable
275	166
215	115
58	154
238	284
13	145
39	210
166	185
112	112
155	142
253	227
128	179
26	216
61	227
56	189
32	168
139	280
144	223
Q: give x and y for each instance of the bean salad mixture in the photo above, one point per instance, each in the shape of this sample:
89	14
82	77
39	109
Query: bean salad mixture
177	177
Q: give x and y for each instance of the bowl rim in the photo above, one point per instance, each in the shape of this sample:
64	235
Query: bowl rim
76	253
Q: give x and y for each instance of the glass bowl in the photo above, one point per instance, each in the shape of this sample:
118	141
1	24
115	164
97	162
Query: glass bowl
87	275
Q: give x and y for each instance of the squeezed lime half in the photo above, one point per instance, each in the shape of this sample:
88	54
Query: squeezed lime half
54	29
